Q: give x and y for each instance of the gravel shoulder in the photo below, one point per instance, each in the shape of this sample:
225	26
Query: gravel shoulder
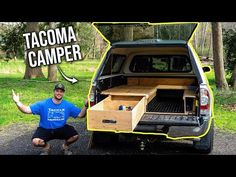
15	139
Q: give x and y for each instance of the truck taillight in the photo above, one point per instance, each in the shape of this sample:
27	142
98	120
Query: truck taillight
204	102
92	97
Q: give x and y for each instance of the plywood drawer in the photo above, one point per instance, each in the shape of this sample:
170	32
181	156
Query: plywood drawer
106	114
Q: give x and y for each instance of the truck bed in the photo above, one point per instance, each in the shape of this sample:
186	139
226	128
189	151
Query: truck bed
164	105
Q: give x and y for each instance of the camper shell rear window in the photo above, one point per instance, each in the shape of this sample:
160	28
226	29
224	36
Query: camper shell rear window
160	63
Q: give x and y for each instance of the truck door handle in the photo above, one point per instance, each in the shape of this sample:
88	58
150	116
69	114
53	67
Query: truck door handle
107	121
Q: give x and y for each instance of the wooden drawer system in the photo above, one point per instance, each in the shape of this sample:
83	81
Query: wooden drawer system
106	115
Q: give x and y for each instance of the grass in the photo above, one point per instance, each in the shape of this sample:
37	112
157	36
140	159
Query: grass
225	116
81	69
11	74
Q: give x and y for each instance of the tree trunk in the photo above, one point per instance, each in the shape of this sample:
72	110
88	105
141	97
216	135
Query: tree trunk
234	78
52	69
128	33
156	34
37	71
95	46
209	47
217	40
196	40
52	73
204	37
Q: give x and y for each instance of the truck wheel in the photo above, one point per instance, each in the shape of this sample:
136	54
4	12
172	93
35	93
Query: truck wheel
102	138
205	145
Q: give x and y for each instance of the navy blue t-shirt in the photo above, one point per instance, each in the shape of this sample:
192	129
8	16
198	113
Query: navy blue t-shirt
54	115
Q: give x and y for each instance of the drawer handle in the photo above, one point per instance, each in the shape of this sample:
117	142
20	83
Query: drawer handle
107	121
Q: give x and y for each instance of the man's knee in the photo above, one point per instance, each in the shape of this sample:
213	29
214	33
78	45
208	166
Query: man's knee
38	142
76	137
73	138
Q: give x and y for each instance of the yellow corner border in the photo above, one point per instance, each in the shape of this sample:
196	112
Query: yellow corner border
190	45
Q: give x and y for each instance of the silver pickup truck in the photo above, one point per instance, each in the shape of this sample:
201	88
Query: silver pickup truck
151	88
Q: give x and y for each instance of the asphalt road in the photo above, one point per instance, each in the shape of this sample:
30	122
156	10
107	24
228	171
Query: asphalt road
16	140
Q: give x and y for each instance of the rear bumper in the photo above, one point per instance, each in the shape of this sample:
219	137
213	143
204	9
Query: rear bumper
188	131
174	131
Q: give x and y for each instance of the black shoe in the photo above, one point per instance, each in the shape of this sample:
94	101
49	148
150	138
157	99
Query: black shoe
46	151
66	151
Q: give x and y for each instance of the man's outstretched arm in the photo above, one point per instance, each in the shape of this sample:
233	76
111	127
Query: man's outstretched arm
84	110
20	106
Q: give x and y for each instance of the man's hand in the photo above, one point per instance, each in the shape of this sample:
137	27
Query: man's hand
21	107
86	103
15	97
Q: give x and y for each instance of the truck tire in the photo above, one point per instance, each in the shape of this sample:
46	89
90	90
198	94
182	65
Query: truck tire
103	138
205	145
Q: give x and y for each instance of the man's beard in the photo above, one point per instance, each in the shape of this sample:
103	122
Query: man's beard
58	98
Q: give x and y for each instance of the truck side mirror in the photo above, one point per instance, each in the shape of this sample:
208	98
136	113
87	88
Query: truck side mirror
206	69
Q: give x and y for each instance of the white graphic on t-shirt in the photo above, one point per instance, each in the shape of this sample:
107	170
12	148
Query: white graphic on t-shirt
56	114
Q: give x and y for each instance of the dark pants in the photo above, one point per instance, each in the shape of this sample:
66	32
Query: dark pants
63	133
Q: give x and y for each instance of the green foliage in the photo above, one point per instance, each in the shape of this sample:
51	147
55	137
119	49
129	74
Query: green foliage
163	31
85	34
229	37
106	30
174	32
66	24
12	41
86	38
202	39
225	115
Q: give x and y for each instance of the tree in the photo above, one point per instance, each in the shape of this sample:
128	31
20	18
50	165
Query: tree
128	33
86	36
217	40
204	32
52	69
52	73
37	71
12	41
230	54
202	40
234	77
